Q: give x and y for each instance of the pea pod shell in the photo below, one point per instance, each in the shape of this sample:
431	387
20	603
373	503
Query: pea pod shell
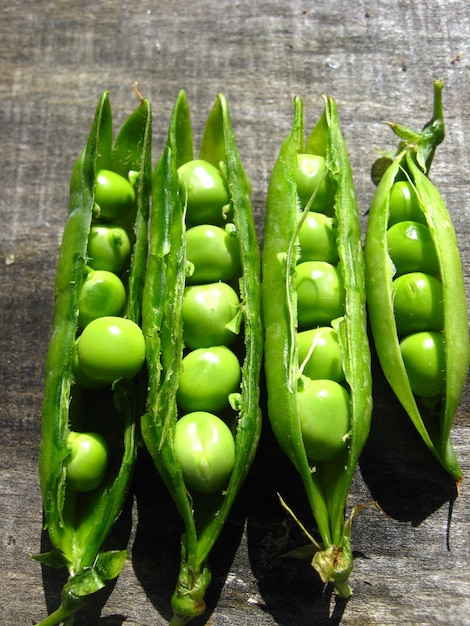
165	281
79	539
434	429
327	495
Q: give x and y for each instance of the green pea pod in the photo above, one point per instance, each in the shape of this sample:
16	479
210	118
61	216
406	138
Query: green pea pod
326	482
432	417
162	322
78	523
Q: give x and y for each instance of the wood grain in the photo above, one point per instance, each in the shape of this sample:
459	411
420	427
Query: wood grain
378	60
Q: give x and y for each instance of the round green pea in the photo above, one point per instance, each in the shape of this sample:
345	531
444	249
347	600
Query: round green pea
207	378
87	461
325	418
322	347
213	253
209	314
404	205
424	359
111	348
317	239
203	192
205	450
418	303
320	293
312	172
80	378
109	248
114	195
411	248
103	293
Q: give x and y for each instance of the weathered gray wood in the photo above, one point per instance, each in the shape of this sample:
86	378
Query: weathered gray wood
378	60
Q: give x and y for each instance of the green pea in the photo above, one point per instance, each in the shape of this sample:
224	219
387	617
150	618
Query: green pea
209	314
417	303
317	239
411	248
320	293
109	248
80	378
111	348
103	293
205	450
114	195
322	348
207	378
312	174
424	359
213	253
88	460
203	192
404	205
325	418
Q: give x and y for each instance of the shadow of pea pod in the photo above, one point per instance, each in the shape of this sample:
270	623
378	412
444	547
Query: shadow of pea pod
156	548
155	551
55	579
290	588
399	470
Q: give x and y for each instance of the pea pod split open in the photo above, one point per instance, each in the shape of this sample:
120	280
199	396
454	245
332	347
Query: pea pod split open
324	453
179	444
415	290
95	410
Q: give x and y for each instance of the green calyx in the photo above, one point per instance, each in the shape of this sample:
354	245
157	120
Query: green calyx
85	582
334	565
423	144
188	598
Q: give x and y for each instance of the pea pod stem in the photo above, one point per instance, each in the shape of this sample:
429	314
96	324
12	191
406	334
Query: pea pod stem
162	322
326	485
422	145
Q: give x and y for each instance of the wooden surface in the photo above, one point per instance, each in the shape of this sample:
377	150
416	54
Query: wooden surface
378	59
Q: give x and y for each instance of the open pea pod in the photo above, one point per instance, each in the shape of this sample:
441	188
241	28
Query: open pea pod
169	270
409	320
79	516
326	481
